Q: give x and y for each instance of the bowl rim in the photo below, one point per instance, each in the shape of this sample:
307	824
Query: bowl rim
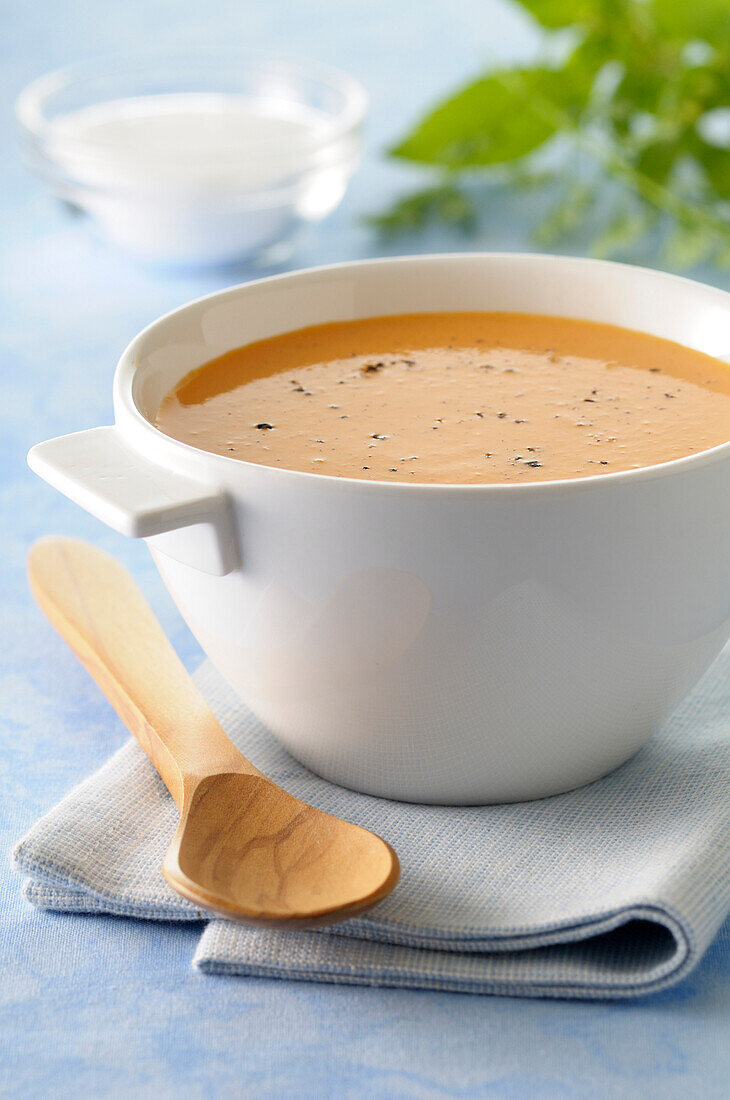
31	101
124	400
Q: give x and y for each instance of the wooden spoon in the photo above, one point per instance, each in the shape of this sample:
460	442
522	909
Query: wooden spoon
244	848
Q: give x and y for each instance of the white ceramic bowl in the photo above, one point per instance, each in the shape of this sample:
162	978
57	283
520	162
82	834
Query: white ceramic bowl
438	643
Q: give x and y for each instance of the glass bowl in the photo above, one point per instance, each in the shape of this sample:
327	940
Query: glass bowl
196	158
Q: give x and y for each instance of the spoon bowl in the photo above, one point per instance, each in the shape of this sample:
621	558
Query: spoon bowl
247	849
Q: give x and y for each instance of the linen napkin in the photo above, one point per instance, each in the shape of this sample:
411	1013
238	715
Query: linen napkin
613	890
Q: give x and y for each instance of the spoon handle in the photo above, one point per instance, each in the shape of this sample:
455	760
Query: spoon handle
97	608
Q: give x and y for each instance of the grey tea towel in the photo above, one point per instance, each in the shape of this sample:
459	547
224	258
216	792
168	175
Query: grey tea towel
614	890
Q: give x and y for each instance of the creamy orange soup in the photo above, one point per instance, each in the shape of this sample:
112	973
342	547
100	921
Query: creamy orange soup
461	398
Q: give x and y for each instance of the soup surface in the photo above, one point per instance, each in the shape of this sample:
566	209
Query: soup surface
460	398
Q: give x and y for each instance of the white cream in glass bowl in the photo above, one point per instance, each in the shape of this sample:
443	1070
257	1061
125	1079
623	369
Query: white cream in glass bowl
200	158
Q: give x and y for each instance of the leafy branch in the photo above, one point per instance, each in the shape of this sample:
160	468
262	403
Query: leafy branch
642	91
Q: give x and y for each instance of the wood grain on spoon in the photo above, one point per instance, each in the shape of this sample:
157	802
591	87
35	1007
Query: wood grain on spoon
244	847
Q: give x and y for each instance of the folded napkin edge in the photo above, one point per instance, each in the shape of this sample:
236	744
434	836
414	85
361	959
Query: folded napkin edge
658	977
51	898
54	898
389	977
551	933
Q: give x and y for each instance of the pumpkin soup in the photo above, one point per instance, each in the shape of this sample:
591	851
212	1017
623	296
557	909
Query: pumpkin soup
457	398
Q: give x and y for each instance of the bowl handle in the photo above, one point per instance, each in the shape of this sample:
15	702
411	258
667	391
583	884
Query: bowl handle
179	516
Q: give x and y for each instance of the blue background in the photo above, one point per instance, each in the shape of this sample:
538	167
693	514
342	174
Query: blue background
104	1007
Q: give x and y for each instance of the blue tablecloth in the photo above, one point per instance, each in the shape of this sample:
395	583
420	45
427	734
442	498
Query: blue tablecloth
98	1007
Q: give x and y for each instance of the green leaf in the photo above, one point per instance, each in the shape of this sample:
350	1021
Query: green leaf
566	215
495	120
716	166
445	202
623	230
487	122
712	162
707	20
656	160
721	255
688	245
555	14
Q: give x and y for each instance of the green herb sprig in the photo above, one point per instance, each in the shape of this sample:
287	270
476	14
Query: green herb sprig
642	91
